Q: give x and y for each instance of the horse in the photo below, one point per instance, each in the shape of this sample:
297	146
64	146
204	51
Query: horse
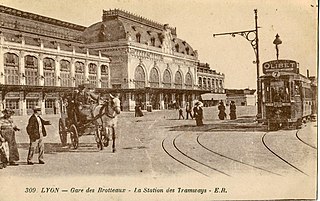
105	115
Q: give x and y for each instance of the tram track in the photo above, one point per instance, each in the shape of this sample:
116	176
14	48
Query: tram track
278	156
182	160
309	145
234	160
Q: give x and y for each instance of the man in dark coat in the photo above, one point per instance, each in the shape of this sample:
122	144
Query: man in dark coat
222	114
36	132
198	113
233	109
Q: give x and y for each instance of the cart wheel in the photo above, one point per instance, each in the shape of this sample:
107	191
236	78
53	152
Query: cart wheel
99	139
74	136
62	133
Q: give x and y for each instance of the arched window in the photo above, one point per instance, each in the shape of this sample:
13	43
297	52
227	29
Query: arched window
31	70
11	69
153	41
177	47
178	80
213	85
154	78
104	76
48	71
188	81
217	85
138	37
166	79
200	82
79	73
139	77
221	86
204	83
93	74
65	73
209	83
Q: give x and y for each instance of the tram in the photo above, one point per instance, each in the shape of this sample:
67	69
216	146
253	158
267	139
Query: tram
286	95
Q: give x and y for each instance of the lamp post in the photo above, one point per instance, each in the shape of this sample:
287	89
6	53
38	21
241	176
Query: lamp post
277	42
254	41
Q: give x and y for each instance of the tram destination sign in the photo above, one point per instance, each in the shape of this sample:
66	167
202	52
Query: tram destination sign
280	65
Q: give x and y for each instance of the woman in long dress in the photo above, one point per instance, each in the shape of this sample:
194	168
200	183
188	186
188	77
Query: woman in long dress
7	129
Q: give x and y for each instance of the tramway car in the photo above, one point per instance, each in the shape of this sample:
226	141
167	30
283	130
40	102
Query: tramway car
286	94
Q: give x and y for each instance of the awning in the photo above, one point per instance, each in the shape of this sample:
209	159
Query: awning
212	96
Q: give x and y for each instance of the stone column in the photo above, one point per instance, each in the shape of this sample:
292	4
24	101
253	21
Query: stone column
161	101
23	104
57	104
147	99
41	70
57	71
183	100
1	59
109	78
99	75
86	71
73	72
42	101
22	68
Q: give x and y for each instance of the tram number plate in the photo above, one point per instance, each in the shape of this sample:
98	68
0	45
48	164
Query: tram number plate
277	104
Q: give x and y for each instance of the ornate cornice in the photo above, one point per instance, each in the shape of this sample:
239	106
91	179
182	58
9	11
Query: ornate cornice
48	20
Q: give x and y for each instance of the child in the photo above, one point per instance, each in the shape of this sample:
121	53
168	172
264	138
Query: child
4	152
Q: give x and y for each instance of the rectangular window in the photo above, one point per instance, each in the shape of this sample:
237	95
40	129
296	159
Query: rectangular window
49	79
13	104
49	103
31	103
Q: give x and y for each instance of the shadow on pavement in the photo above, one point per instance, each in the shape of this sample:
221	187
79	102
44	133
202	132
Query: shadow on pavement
243	123
52	148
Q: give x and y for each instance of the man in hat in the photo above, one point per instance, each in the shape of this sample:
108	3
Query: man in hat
84	99
36	132
7	131
222	114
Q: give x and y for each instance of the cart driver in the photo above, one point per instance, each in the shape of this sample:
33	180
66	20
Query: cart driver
85	99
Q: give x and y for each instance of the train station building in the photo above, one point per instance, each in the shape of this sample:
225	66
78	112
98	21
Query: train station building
41	58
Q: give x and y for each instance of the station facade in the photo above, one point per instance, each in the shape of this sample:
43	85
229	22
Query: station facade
41	58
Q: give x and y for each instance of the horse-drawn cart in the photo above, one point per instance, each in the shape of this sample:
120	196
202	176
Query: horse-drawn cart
71	124
96	122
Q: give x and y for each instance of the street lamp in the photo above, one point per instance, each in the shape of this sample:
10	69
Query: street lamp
254	41
277	42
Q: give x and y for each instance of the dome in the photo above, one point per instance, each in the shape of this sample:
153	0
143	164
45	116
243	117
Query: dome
107	31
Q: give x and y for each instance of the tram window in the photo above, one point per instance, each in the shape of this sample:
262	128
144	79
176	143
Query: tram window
279	91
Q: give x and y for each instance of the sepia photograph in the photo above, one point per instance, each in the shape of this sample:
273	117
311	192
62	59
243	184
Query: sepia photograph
158	100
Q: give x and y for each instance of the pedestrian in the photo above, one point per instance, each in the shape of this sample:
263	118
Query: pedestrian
181	113
188	110
222	114
36	132
138	111
4	152
198	113
233	108
7	130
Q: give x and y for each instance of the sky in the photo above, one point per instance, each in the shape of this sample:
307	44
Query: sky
197	20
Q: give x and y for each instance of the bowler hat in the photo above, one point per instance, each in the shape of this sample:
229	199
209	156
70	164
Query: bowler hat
7	111
36	108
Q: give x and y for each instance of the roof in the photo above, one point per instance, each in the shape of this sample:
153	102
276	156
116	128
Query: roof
212	96
122	25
